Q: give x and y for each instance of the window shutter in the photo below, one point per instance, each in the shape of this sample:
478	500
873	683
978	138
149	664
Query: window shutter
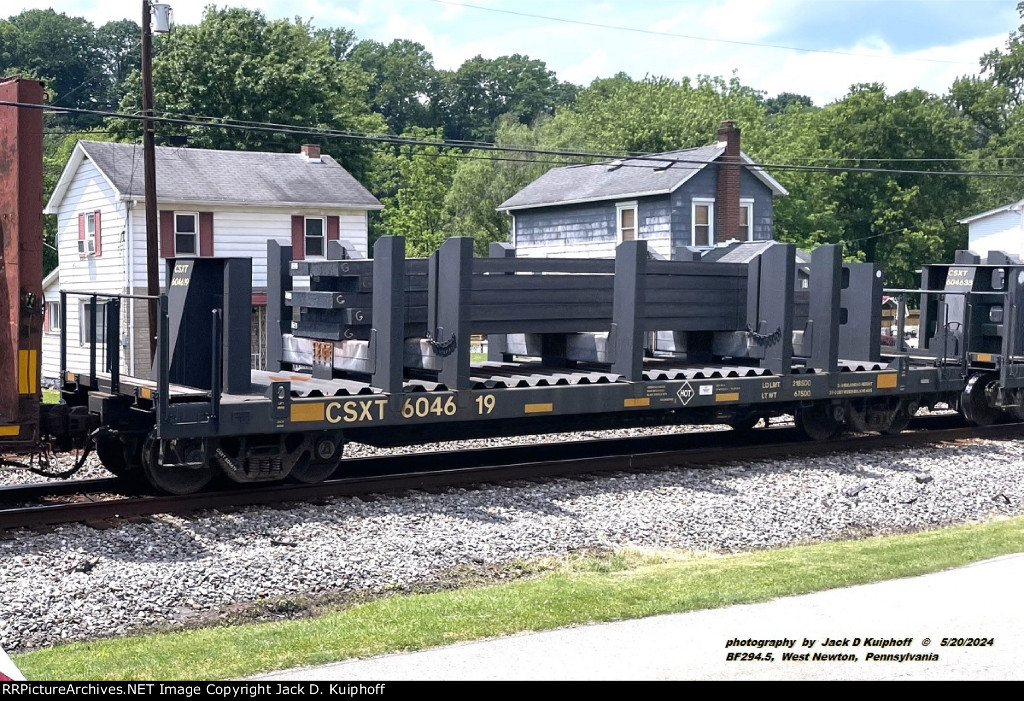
166	233
298	237
98	232
206	234
81	236
333	228
46	317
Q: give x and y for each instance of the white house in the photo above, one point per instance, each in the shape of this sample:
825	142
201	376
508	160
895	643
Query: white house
999	229
211	203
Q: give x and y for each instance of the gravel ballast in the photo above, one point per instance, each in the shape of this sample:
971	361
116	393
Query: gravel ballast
78	583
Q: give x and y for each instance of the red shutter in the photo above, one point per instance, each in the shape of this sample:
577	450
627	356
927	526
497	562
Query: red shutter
81	235
46	317
98	232
166	234
206	234
298	237
333	228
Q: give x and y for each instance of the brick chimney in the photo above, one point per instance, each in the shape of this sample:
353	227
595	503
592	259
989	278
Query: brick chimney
311	152
727	199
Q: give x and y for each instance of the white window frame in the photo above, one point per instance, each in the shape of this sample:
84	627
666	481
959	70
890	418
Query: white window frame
621	207
747	203
53	311
87	245
710	203
99	327
194	233
322	237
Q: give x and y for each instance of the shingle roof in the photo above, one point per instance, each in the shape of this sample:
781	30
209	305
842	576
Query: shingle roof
242	177
740	252
622	178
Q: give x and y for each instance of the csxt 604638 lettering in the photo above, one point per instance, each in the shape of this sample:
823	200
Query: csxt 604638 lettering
378	351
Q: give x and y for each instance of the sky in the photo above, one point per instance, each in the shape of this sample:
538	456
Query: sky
817	48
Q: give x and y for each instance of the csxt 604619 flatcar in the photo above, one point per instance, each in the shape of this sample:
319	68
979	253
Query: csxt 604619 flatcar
378	351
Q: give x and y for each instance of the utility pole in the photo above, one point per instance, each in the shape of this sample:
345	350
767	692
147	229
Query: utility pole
149	156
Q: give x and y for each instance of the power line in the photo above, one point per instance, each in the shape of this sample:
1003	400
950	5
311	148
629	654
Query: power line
645	161
697	38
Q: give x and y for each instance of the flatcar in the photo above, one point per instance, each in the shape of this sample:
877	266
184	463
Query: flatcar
378	351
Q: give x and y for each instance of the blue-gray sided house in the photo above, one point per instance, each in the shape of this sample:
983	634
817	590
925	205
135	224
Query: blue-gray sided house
698	197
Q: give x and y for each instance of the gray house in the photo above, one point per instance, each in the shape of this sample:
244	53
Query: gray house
696	197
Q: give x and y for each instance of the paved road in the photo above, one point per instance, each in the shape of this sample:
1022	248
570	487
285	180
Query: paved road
981	600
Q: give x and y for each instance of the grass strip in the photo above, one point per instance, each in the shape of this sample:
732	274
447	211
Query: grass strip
581	589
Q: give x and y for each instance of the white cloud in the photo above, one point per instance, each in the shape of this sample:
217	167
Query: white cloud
593	66
827	77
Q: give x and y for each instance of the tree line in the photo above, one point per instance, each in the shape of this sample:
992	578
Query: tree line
863	171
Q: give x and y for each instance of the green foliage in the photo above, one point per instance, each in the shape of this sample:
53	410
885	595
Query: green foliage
120	42
898	220
253	69
401	73
620	115
419	178
487	178
784	100
63	51
468	102
992	104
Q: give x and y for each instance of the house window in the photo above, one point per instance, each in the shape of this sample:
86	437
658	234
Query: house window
747	218
53	316
625	227
93	328
703	233
87	243
316	228
186	227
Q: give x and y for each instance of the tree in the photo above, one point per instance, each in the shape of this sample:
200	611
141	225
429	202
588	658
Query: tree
422	176
468	102
485	179
402	73
120	42
992	104
61	50
897	219
237	65
785	100
620	115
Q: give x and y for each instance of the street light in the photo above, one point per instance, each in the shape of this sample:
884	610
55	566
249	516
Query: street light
161	12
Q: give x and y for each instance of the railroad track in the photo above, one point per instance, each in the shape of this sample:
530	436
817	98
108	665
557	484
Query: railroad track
103	500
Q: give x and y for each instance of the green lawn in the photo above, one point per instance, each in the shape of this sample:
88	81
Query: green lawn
51	396
576	589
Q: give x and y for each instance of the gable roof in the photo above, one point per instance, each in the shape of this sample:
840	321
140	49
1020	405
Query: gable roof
626	177
208	176
1012	207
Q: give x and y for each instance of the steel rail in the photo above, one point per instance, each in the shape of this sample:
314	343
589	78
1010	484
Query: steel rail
399	473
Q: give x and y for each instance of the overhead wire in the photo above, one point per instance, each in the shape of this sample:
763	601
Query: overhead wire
675	35
628	161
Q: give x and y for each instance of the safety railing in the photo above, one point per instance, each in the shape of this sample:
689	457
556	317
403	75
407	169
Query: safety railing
102	338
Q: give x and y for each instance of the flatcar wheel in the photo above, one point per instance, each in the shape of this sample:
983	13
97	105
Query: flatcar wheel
744	424
308	472
817	423
176	478
974	403
901	418
328	451
110	451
